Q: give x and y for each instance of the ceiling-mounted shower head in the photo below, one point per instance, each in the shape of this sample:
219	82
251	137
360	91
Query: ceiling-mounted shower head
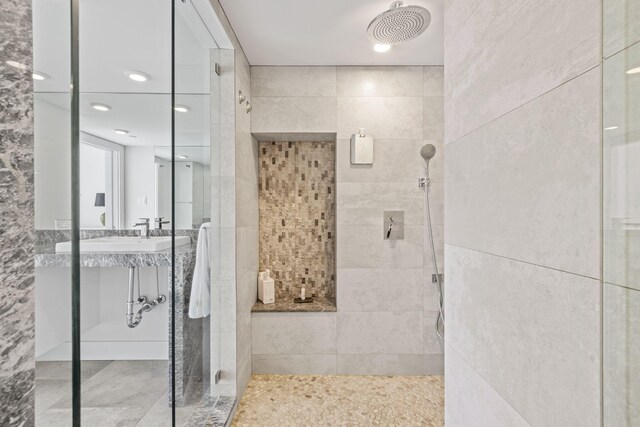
398	24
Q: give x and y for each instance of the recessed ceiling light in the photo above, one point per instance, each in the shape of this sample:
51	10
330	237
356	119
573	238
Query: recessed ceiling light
182	108
17	64
183	157
137	76
100	107
37	75
611	128
634	70
121	131
381	47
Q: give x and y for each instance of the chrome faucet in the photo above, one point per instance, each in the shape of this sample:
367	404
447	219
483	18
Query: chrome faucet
159	222
144	232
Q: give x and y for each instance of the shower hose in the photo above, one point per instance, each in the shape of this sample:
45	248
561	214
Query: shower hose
440	319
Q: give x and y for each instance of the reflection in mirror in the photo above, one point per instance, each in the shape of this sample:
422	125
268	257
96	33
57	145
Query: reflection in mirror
125	155
193	184
132	288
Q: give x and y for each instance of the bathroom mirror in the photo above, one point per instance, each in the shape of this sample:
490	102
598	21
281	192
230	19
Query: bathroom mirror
125	115
125	160
148	114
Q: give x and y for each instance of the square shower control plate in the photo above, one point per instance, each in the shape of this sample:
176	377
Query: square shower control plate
393	225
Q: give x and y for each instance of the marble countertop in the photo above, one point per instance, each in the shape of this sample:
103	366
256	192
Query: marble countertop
47	257
319	304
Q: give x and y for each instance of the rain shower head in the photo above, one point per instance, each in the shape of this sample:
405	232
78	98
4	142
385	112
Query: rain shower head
427	152
398	24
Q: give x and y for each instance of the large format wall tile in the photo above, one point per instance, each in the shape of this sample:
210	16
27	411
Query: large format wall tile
531	332
294	333
365	247
456	14
293	114
378	289
510	52
527	186
380	364
432	342
433	81
294	364
17	362
470	401
356	206
381	284
621	348
380	332
393	161
293	81
379	81
246	202
383	118
433	122
245	222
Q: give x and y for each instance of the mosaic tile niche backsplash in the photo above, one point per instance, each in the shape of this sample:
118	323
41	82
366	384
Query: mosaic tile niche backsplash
297	198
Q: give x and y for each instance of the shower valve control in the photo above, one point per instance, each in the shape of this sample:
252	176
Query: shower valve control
393	225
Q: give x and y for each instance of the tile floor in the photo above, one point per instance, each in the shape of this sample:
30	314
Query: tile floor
312	400
114	393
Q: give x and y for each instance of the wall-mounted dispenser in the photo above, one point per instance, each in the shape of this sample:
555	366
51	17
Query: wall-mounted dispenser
361	148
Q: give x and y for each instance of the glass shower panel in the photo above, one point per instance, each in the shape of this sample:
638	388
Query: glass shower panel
196	113
125	110
621	215
52	182
126	167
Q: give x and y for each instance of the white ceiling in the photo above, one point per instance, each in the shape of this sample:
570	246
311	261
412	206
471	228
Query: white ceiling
118	36
327	32
121	35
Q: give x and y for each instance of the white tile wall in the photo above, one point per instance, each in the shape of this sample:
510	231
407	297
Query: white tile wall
522	212
382	117
394	161
294	333
470	401
377	289
531	332
508	53
380	332
293	114
293	81
385	320
379	81
292	364
531	180
380	364
365	247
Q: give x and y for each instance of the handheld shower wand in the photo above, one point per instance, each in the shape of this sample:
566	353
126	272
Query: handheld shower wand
427	152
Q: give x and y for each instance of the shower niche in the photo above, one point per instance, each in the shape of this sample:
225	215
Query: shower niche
297	204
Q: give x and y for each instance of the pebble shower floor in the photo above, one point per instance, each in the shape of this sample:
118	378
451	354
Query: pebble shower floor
330	400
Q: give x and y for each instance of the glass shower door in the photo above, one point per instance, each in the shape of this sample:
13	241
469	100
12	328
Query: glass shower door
128	262
621	214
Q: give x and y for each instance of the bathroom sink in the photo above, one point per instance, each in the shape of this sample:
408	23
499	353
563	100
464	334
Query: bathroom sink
124	244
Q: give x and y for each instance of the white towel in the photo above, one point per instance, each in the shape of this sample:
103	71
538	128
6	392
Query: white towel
200	303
